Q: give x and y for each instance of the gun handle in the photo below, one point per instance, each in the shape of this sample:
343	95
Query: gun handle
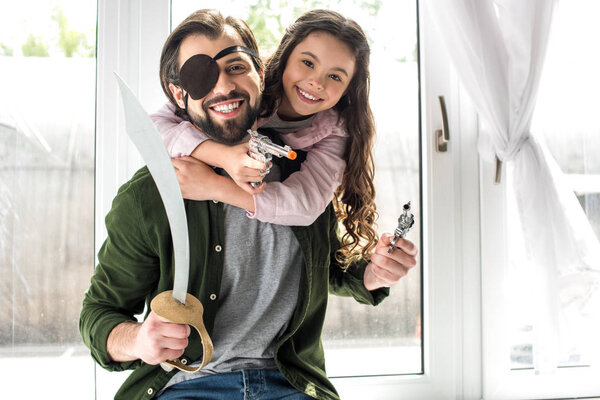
264	158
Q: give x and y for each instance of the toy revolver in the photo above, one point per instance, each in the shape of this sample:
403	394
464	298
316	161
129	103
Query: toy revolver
263	149
405	222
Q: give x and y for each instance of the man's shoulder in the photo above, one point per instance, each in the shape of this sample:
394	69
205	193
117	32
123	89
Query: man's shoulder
140	181
139	191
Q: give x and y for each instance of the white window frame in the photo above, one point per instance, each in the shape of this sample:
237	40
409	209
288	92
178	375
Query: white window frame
130	37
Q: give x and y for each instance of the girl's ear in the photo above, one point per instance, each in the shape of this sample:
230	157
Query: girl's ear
177	95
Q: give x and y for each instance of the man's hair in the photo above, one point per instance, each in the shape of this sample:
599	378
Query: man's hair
354	198
209	23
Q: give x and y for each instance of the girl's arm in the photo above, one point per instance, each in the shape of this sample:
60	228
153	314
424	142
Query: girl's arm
305	194
299	200
242	168
181	137
198	181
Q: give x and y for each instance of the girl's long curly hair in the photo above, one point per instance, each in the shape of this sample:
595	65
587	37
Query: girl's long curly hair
354	199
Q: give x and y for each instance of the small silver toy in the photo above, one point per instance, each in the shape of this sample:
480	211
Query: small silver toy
405	221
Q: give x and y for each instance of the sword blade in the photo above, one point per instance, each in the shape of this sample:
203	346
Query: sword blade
145	137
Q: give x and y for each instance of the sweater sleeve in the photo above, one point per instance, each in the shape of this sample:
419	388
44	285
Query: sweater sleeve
180	136
127	271
305	194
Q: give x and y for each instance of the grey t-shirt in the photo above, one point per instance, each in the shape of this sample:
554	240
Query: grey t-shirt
259	292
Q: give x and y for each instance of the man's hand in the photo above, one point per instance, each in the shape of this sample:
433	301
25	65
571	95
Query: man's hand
153	341
386	270
159	340
196	179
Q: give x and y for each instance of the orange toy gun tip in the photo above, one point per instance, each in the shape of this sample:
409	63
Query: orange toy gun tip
292	155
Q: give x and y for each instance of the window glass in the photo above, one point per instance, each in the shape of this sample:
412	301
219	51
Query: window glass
566	118
385	339
47	101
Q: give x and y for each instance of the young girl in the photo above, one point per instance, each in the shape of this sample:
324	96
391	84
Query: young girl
316	92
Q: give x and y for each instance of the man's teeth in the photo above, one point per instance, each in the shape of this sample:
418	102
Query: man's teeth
307	95
227	108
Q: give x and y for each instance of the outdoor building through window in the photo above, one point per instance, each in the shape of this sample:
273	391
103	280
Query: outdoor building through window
47	116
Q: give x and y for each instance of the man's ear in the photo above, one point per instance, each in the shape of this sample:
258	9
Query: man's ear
262	79
177	95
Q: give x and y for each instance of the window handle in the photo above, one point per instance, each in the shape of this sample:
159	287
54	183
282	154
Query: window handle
442	136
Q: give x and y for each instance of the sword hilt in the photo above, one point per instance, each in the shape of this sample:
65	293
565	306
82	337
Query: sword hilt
190	313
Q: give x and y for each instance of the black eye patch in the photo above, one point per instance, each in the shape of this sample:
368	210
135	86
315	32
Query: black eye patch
200	73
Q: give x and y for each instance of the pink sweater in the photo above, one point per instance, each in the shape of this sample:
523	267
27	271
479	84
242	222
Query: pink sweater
303	196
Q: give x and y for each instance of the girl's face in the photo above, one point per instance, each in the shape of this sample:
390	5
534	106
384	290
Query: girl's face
316	76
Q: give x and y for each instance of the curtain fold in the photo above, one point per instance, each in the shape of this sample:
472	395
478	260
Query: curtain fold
497	48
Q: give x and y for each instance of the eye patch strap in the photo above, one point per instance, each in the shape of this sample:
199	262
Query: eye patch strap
234	49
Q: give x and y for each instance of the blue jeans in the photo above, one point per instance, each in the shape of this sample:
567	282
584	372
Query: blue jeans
247	384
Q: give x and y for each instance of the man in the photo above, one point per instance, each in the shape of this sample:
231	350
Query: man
263	287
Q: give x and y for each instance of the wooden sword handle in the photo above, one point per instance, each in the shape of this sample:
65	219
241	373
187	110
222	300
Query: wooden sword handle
190	313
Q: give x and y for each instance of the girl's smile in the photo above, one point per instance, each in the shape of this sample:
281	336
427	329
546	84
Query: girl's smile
307	97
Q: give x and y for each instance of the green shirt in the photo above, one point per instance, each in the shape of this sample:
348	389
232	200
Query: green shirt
136	263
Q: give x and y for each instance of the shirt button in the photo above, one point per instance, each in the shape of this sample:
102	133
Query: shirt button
150	391
216	202
184	361
213	296
218	248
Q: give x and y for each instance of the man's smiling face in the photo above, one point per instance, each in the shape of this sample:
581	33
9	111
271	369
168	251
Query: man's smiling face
231	107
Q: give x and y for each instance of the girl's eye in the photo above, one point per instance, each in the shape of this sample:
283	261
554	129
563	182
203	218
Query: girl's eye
335	77
308	63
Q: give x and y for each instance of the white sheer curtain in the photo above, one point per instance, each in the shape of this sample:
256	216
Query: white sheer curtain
497	48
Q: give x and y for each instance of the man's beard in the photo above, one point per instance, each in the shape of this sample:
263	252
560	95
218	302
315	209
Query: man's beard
232	131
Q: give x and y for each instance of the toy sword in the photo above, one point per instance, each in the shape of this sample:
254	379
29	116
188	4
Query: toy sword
405	222
175	305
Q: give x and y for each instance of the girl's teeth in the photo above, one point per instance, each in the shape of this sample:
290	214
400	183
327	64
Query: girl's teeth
308	96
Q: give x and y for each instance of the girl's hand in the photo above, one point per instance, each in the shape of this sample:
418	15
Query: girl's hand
385	270
242	168
196	179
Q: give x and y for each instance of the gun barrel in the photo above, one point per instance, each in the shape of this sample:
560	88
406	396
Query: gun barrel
280	151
